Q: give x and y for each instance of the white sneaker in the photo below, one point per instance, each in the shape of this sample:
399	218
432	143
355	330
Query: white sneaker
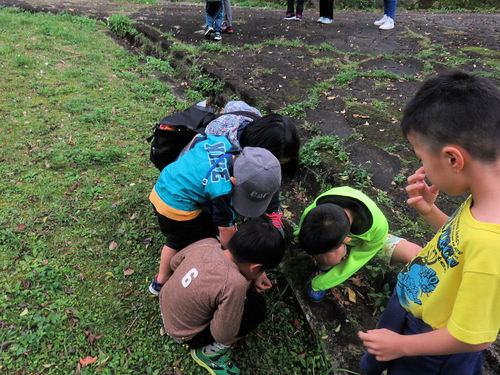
381	21
320	19
388	24
327	20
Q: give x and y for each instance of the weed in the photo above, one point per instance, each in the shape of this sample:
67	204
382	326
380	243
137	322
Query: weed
310	153
121	25
379	105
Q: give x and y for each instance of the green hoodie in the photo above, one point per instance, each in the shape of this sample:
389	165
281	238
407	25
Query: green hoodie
363	246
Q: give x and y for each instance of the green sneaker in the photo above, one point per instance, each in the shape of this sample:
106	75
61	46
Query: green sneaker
217	363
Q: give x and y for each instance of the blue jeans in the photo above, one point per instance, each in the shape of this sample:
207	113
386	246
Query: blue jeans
213	14
397	319
390	8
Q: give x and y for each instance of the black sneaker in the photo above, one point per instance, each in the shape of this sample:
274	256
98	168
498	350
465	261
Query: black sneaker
209	30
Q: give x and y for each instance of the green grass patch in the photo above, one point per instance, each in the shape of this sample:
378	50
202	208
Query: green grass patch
78	240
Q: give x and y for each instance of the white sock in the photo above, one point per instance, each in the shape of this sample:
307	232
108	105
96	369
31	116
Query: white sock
214	348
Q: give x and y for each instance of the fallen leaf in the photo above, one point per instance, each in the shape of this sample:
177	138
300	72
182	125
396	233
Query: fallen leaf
87	360
128	271
356	281
351	295
112	245
21	226
360	116
337	329
25	311
110	274
296	323
74	186
339	296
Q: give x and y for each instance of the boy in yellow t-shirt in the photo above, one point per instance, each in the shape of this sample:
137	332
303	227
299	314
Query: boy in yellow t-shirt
445	309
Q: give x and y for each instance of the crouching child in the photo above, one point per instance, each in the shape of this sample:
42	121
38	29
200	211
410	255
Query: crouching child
343	229
212	298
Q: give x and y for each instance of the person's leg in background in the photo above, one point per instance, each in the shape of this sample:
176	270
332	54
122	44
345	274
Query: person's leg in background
390	12
227	26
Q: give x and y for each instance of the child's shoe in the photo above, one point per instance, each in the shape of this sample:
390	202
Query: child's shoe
155	287
275	218
290	16
327	20
217	363
388	24
208	31
380	21
320	19
217	36
314	295
298	17
227	29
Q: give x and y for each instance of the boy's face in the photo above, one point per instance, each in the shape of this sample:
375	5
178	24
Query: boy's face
439	165
333	257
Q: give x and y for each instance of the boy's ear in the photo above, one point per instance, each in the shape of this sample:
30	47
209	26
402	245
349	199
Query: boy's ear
233	180
346	240
455	156
255	267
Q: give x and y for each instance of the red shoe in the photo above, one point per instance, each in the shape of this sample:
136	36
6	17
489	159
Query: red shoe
227	29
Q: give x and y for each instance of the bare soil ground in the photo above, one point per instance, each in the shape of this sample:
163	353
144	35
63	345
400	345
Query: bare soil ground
348	79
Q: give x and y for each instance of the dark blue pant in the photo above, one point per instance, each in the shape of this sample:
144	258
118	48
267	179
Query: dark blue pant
397	319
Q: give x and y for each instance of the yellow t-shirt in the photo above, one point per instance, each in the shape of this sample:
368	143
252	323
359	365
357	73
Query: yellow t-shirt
454	281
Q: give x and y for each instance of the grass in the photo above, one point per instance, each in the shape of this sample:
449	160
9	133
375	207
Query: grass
78	240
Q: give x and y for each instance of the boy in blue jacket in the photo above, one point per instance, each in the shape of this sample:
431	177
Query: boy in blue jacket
196	196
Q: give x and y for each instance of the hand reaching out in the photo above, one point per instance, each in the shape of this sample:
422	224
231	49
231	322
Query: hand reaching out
422	196
382	343
262	283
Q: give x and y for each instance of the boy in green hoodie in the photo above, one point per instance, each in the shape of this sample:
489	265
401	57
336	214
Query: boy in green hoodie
343	218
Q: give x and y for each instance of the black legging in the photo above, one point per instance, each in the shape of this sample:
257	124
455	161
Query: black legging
326	8
254	313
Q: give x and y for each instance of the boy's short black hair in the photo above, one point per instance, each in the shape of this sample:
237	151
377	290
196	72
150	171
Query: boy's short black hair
257	241
457	108
277	134
324	228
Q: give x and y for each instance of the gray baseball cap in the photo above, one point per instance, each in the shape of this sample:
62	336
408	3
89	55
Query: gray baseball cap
258	177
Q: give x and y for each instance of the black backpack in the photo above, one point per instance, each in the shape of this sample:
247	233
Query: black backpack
175	131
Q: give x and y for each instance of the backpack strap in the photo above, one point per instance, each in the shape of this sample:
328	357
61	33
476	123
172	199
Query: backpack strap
254	116
204	182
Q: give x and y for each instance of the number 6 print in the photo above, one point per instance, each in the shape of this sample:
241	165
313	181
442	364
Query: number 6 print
189	276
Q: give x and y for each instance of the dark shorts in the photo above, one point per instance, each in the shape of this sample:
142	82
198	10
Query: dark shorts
254	313
397	319
180	234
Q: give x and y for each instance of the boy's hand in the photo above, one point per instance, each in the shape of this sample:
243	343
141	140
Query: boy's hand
422	196
262	283
382	343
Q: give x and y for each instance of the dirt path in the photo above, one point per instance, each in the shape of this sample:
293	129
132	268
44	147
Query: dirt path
347	80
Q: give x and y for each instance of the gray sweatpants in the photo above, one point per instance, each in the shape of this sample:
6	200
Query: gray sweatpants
228	13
